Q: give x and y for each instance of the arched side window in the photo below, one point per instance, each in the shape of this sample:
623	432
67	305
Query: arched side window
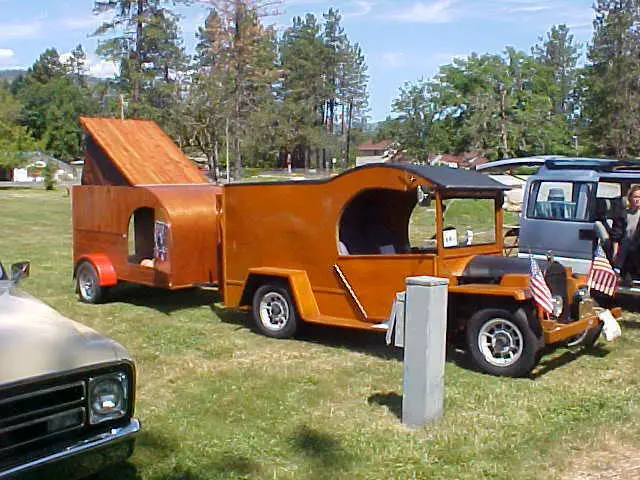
140	236
375	222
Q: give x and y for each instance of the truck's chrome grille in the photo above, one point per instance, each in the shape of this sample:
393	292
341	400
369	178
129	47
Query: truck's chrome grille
40	414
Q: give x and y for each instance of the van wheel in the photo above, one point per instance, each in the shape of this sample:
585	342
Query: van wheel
88	285
274	312
502	342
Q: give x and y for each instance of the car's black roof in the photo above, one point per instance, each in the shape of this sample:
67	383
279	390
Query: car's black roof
454	178
558	162
443	177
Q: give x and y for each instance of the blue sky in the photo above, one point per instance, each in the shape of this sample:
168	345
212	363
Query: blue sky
403	40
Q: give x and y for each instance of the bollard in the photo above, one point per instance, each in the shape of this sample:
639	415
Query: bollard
424	349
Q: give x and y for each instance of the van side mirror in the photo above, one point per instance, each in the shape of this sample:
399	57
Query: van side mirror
424	196
20	270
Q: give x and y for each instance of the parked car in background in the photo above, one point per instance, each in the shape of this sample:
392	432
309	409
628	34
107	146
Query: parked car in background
66	391
569	207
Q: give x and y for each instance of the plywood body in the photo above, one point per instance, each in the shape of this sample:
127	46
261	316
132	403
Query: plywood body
295	226
101	224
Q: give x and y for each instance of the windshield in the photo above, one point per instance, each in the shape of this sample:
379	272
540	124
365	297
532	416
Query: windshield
468	221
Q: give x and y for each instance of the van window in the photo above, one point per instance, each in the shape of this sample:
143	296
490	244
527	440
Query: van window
560	201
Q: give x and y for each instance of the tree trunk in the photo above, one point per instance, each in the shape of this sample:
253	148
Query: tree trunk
238	163
503	124
346	160
213	165
138	57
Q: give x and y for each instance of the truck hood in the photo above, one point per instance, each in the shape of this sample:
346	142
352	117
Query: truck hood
36	340
492	268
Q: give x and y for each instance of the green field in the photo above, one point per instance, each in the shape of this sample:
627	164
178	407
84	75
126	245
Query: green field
218	400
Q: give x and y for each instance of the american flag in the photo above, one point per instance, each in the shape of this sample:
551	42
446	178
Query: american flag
601	276
541	293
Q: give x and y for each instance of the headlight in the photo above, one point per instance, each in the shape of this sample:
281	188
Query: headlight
558	305
107	397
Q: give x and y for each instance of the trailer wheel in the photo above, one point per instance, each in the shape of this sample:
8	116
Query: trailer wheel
274	312
88	285
502	342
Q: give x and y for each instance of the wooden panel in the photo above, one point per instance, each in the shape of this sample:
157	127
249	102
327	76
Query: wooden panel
101	225
141	152
295	226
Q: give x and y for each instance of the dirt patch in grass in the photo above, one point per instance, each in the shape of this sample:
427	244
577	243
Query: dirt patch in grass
611	460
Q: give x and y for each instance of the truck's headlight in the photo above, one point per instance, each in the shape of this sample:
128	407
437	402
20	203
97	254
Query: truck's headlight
558	305
107	397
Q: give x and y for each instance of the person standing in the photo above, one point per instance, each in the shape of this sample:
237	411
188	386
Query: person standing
626	249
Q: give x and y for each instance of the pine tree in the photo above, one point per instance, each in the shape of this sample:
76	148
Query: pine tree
244	61
612	101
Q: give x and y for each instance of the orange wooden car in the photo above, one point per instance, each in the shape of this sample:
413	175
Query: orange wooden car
331	252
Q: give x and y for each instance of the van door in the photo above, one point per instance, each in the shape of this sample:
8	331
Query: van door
556	219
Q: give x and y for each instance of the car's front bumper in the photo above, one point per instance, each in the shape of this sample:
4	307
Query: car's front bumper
82	458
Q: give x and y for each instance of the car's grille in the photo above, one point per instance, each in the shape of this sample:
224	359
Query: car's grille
556	278
40	414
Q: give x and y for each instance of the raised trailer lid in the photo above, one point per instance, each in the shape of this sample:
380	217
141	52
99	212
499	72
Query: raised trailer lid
135	152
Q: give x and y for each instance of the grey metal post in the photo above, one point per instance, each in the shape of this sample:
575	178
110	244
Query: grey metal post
424	349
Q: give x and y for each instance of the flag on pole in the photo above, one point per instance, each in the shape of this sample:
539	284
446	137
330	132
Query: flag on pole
602	277
539	288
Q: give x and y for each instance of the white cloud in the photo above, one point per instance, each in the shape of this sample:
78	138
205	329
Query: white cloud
420	12
360	9
101	68
6	53
394	59
20	30
95	66
85	22
448	57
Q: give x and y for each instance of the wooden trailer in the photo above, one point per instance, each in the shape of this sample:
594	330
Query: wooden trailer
144	212
331	251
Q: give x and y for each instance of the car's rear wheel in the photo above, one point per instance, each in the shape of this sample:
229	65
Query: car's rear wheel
273	311
502	342
88	284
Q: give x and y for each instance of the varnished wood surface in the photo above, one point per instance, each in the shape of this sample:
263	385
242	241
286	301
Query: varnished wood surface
296	226
101	219
141	152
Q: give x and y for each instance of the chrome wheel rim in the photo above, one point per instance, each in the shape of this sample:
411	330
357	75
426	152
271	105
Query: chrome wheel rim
501	342
86	284
274	311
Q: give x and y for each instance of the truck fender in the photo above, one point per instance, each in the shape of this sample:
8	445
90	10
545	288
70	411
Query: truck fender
102	264
299	287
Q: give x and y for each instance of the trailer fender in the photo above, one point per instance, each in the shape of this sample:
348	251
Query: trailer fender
104	267
299	286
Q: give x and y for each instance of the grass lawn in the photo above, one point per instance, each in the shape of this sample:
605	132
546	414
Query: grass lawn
218	400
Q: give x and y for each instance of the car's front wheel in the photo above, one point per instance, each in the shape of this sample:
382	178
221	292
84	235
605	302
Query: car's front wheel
88	283
502	342
273	311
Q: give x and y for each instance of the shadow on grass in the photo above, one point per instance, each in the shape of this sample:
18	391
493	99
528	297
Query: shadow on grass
163	300
555	360
391	400
324	452
157	448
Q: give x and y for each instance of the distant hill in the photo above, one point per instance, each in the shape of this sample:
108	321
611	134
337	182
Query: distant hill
10	75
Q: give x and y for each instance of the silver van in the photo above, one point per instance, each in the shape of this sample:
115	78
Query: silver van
570	205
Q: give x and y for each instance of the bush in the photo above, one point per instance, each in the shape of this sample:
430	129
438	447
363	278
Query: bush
49	178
